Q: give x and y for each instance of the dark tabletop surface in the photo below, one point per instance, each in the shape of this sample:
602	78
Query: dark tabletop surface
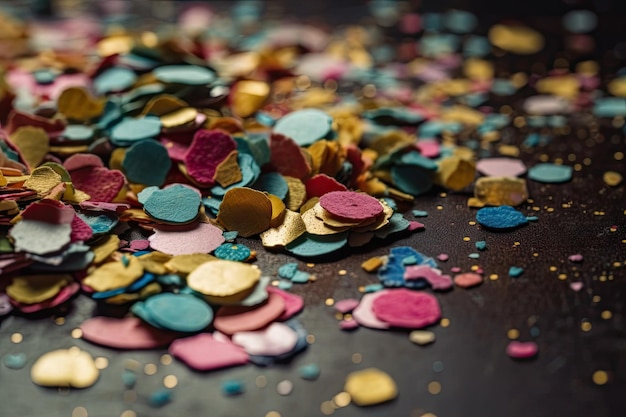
468	359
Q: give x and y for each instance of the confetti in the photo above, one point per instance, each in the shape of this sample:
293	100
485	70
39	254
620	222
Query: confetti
192	351
65	368
522	350
502	217
370	386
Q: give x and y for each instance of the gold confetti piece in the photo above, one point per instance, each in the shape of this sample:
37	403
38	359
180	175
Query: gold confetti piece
3	180
278	210
154	262
224	282
32	289
105	248
228	171
245	210
65	368
612	178
617	87
33	143
499	191
463	114
42	180
521	40
291	228
564	86
370	386
478	69
422	337
372	264
316	226
180	117
297	193
185	264
163	104
248	96
382	219
327	157
116	44
508	150
455	173
390	141
600	377
114	275
77	103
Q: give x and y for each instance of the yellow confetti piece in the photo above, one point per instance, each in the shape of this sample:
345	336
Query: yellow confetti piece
3	180
105	248
464	115
163	104
297	193
65	368
114	275
617	87
564	86
455	173
478	69
150	289
245	210
372	264
154	262
185	264
612	178
521	40
77	103
178	118
387	142
42	180
498	191
316	226
224	281
248	96
228	171
278	210
32	289
291	228
370	386
33	143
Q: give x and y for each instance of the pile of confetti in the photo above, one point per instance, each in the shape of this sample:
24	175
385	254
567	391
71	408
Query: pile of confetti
136	166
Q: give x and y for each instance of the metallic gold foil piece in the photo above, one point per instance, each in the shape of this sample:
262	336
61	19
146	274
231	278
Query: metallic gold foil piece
291	228
499	191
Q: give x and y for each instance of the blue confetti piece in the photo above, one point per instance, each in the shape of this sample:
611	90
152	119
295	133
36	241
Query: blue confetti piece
420	213
372	288
309	372
415	158
14	360
312	246
580	21
460	21
476	46
503	87
102	223
184	74
129	379
515	271
232	252
232	387
534	331
397	223
500	218
474	255
285	285
532	218
178	312
78	132
114	79
288	270
44	76
213	205
176	203
160	397
305	126
170	279
301	277
610	107
131	130
230	236
411	179
273	183
481	245
141	282
550	173
147	162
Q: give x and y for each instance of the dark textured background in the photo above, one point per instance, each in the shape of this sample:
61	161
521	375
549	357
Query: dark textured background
478	378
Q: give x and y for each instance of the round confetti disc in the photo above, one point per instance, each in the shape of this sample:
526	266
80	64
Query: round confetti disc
305	126
223	279
500	218
350	205
407	308
179	312
550	173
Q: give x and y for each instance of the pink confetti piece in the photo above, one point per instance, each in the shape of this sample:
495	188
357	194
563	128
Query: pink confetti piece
204	352
434	277
274	340
350	324
406	308
346	305
576	286
522	350
575	258
413	226
443	257
364	315
204	238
